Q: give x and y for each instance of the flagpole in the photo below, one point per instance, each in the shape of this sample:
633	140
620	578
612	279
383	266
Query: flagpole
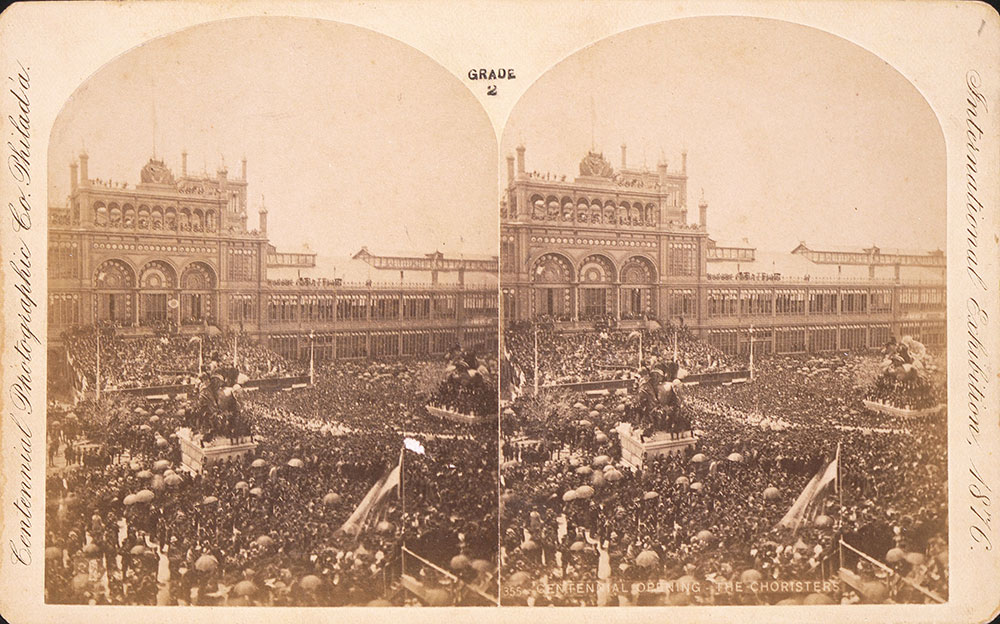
200	361
234	349
536	360
751	352
675	345
640	351
98	391
312	371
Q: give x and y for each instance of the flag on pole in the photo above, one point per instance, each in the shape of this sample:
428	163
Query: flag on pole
413	445
374	501
810	502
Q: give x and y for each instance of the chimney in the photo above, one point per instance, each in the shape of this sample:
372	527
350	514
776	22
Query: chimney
262	215
623	157
520	160
703	213
684	161
84	170
510	169
244	164
72	176
223	177
184	163
661	169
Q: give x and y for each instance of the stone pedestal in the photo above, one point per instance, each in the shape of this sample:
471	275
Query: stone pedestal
892	410
635	450
195	455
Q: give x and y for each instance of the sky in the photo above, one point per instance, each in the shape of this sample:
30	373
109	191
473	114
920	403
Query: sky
793	134
351	137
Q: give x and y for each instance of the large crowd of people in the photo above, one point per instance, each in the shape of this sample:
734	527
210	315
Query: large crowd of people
163	357
128	523
580	528
585	356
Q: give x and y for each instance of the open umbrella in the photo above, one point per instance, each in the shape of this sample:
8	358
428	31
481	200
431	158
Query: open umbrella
209	500
258	463
823	521
647	559
613	476
482	565
162	442
310	582
696	486
295	462
577	546
206	563
735	457
160	465
460	562
601	460
914	558
584	470
749	576
145	474
699	458
245	588
518	578
91	551
256	492
144	496
650	495
129	500
704	535
569	496
772	493
331	498
601	438
584	491
241	485
172	480
264	540
895	555
598	479
53	553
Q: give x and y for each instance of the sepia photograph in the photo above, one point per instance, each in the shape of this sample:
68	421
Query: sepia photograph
723	289
272	326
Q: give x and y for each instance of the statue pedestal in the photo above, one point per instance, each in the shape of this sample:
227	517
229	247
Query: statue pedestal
635	450
195	455
892	410
458	417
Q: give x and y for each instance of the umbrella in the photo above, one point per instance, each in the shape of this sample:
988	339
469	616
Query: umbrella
310	582
601	438
384	527
598	479
579	405
91	551
613	476
818	599
460	562
586	423
696	486
749	576
650	495
172	480
256	491
681	481
584	470
258	463
577	546
264	540
482	565
331	498
601	460
704	535
144	427
129	500
914	558
138	549
154	419
209	500
245	588
518	578
823	520
241	485
647	559
594	414
895	555
700	457
437	597
295	462
145	474
53	553
80	581
206	563
735	457
569	496
162	442
584	491
529	545
160	465
157	484
772	493
144	496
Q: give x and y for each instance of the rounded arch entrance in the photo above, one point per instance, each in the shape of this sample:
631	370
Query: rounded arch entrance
114	286
198	304
638	288
157	293
552	280
597	287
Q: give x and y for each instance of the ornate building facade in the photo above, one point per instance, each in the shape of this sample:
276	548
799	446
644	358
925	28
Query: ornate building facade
176	252
618	243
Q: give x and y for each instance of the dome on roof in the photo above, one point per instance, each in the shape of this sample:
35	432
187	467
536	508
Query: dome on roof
596	165
156	172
